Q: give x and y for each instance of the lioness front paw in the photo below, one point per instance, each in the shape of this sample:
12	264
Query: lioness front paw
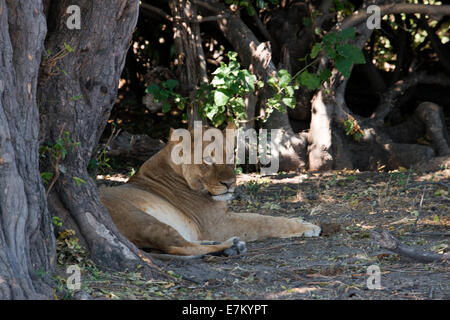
312	230
238	247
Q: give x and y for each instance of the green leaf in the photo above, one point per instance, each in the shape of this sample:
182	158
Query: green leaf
220	98
325	74
351	52
56	221
289	101
289	91
344	65
272	81
46	177
152	89
348	33
219	119
171	83
331	52
211	113
238	105
348	124
78	181
68	47
218	80
284	78
357	55
307	22
166	107
339	5
250	10
232	56
309	80
315	50
330	39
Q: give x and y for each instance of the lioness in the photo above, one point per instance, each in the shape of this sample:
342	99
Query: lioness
180	209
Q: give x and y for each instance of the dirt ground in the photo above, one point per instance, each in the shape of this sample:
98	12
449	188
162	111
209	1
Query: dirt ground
347	204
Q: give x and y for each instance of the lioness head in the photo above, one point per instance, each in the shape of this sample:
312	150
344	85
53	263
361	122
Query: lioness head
205	169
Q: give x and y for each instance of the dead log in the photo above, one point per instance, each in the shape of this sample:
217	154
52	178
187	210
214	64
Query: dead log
389	242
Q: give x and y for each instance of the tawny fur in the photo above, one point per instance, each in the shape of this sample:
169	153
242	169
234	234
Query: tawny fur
170	207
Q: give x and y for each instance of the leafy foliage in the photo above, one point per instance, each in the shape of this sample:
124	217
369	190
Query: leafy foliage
335	47
166	93
225	95
231	84
59	148
101	162
352	128
55	153
284	92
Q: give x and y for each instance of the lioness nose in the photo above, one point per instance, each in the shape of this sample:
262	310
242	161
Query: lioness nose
228	184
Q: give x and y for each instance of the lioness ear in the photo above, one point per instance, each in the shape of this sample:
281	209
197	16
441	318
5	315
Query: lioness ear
171	133
230	125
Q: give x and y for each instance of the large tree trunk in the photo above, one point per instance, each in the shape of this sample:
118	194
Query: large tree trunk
76	94
27	245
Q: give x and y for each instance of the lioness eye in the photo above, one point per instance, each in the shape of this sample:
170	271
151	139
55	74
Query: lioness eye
208	160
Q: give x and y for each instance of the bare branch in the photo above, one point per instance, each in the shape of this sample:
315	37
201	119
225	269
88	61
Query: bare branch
262	29
207	6
157	11
435	11
388	99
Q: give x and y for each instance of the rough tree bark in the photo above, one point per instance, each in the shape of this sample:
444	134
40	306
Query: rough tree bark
27	245
77	92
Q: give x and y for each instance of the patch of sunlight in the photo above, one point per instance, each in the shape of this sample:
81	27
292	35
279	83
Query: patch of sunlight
288	292
364	227
116	178
402	221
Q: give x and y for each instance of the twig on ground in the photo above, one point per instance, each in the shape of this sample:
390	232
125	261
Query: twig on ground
389	242
413	227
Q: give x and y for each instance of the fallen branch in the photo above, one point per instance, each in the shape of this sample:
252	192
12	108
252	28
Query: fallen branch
389	242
